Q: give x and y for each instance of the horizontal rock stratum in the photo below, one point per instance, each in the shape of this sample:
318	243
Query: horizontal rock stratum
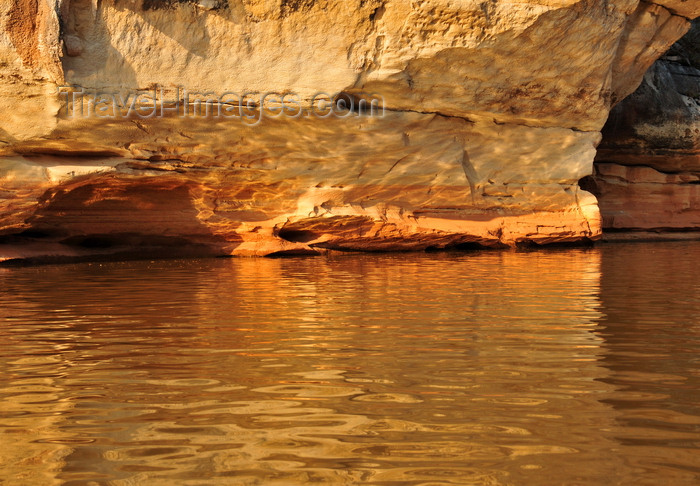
647	173
479	120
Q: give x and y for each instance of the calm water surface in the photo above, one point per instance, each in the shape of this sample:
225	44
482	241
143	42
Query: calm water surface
571	367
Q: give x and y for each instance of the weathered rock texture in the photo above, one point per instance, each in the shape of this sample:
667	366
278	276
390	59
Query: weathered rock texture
493	113
647	174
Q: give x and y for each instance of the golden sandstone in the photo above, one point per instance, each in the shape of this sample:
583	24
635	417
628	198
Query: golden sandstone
442	123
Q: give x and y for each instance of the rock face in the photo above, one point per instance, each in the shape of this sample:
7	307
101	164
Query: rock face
647	172
470	122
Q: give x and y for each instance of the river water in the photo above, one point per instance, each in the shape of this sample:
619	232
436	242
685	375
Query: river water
558	367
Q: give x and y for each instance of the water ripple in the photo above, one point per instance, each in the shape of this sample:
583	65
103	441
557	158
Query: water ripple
488	368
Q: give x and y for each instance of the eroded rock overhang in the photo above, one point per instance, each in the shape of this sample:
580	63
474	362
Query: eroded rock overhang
492	114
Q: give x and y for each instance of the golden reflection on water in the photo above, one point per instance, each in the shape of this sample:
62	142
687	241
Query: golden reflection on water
494	368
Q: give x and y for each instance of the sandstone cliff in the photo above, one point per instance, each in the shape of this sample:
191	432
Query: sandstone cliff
491	115
647	174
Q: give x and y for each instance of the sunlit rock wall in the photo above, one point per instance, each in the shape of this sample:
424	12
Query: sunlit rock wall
492	113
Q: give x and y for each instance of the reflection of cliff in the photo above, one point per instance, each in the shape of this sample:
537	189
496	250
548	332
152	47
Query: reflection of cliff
33	445
345	369
54	368
651	326
492	119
